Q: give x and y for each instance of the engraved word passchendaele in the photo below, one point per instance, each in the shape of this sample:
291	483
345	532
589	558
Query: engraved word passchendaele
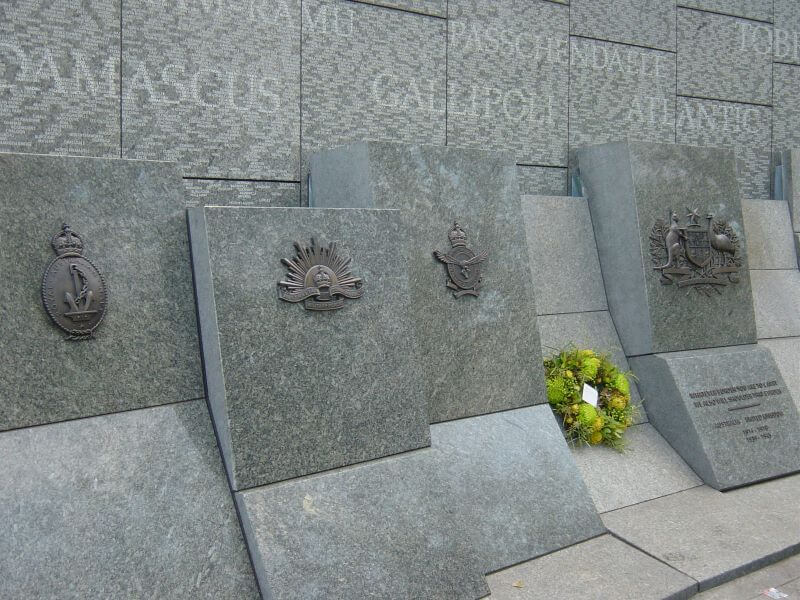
463	265
320	277
704	256
73	290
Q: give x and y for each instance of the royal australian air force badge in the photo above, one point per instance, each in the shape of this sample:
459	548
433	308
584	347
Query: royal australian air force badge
73	290
702	255
463	265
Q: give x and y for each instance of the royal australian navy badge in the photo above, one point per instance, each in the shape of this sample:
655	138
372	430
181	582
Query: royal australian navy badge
463	265
73	290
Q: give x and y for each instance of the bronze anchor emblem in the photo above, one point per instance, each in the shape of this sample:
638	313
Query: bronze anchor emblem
319	277
73	290
463	265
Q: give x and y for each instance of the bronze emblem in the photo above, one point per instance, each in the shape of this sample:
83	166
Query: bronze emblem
73	290
320	277
704	256
463	265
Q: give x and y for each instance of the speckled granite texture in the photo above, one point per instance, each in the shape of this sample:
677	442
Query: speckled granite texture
491	491
775	296
293	391
770	241
786	41
750	9
640	22
542	181
479	354
629	187
506	88
131	217
790	160
133	505
213	85
726	411
210	192
786	112
436	8
785	352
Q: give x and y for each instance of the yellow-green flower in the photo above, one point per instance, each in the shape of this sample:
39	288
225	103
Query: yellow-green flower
587	414
589	368
556	390
621	383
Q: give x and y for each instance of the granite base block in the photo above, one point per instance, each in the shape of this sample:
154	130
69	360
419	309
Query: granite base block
726	411
479	354
633	188
634	575
491	491
296	391
131	505
786	351
770	241
132	220
710	536
775	296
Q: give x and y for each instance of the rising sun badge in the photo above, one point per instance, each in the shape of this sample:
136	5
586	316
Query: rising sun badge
320	277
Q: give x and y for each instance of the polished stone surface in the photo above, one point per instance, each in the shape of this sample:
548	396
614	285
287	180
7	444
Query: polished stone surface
649	468
59	77
214	192
709	536
726	411
376	74
294	391
491	491
542	181
785	352
745	128
639	22
507	86
131	217
620	92
593	330
563	255
723	57
786	110
630	186
750	9
131	505
214	86
770	241
775	295
471	347
634	575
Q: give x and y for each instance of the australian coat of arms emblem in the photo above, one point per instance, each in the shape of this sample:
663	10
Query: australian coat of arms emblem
73	290
463	265
320	277
702	255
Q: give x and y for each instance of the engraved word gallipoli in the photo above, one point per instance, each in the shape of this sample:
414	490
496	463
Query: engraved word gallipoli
463	265
320	277
703	256
73	290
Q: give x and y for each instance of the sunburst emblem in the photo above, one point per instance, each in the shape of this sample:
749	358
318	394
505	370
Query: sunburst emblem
320	277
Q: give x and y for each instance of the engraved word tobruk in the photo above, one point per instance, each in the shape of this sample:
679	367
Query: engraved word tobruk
320	277
73	290
463	265
705	256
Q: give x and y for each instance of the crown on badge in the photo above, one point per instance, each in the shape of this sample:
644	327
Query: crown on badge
457	236
67	240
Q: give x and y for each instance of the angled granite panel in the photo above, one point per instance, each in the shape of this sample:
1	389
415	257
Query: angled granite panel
790	161
59	77
785	352
491	491
724	58
770	240
470	346
132	219
620	92
507	78
563	255
297	391
636	575
786	41
542	181
214	86
750	9
376	74
775	297
214	192
132	505
640	22
709	536
743	127
786	112
593	330
436	8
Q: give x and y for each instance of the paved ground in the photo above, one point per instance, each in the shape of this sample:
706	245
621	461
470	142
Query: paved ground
783	576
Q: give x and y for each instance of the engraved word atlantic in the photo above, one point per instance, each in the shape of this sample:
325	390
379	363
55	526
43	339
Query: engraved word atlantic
704	256
463	265
320	277
73	290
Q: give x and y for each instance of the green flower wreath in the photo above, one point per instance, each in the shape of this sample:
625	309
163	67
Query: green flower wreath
583	423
